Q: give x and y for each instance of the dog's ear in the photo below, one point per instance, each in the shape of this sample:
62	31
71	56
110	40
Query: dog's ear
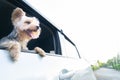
17	13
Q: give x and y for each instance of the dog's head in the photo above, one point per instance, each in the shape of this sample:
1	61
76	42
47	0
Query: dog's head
28	26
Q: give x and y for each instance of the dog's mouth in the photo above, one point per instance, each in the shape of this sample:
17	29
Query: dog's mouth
31	34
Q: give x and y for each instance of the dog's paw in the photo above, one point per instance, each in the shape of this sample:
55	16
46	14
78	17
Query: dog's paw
40	51
14	53
14	56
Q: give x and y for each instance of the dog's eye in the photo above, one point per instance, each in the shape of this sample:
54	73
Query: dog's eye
27	22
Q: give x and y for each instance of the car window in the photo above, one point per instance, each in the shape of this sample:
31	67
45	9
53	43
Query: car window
68	49
46	40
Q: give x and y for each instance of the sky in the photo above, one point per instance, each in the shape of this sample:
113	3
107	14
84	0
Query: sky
93	25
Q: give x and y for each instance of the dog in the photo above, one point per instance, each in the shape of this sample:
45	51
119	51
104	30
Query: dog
25	28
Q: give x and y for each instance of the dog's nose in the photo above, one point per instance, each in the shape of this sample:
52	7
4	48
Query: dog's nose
37	27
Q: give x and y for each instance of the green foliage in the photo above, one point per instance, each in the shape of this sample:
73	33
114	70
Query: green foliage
97	65
113	63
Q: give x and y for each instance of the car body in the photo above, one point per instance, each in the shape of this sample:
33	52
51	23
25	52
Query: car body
62	60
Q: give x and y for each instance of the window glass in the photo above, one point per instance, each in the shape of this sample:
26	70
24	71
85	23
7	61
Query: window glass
67	48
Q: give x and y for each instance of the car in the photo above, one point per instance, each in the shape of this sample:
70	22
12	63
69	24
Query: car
62	60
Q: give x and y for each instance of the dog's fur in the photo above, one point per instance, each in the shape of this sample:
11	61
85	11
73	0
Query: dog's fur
25	29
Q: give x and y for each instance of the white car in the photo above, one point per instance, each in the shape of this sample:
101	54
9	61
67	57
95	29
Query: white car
62	61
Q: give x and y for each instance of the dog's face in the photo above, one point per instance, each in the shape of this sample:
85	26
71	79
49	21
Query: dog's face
27	26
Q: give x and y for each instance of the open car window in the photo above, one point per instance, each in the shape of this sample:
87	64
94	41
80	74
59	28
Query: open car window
48	39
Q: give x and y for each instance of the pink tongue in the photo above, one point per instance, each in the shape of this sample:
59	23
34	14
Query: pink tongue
30	34
33	36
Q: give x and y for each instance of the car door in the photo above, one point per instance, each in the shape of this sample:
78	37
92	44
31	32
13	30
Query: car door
62	60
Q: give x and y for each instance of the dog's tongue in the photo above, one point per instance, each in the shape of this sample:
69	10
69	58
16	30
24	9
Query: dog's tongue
33	36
